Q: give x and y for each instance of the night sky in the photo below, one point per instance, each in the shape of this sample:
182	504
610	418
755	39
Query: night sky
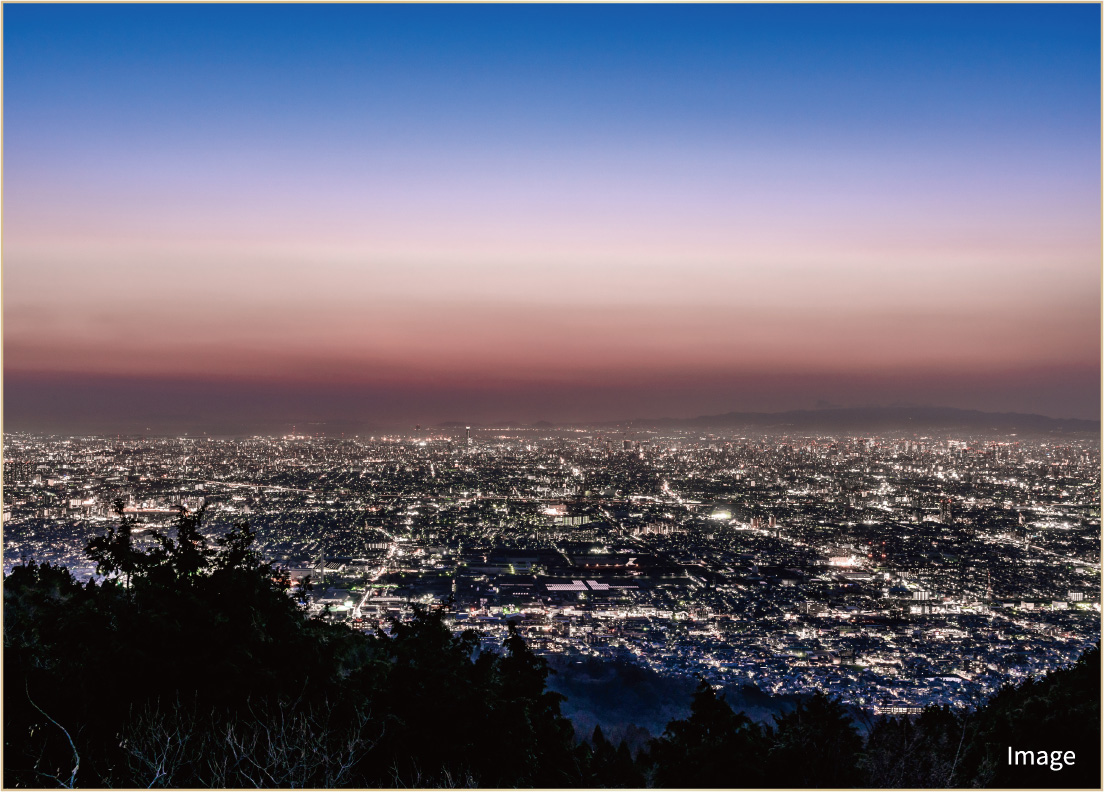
217	216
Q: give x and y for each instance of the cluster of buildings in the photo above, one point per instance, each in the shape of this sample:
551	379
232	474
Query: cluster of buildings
895	571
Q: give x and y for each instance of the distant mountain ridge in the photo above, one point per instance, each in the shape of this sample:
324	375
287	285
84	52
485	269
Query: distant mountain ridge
895	418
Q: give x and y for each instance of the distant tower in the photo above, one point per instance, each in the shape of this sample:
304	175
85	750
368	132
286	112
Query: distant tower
467	432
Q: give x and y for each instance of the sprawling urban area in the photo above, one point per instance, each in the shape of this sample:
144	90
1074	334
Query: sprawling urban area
895	572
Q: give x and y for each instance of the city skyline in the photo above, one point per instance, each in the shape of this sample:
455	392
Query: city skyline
909	575
399	214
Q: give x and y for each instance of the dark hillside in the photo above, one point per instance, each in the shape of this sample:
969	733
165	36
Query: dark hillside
192	665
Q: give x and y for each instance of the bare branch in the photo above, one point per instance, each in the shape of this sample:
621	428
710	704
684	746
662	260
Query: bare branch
76	756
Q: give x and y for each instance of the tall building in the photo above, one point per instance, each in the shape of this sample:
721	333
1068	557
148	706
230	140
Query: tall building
18	471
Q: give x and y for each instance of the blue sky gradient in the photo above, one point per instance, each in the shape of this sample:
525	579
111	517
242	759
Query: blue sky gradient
915	187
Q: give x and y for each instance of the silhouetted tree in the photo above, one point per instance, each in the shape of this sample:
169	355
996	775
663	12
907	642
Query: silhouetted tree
114	552
1059	712
180	618
536	740
610	767
814	745
714	747
913	752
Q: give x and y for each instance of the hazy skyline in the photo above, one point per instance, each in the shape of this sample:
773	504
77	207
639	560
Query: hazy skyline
410	213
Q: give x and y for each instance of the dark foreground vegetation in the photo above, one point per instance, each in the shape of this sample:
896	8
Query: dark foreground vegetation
193	666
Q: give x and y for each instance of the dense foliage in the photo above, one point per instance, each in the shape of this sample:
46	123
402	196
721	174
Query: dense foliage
191	665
